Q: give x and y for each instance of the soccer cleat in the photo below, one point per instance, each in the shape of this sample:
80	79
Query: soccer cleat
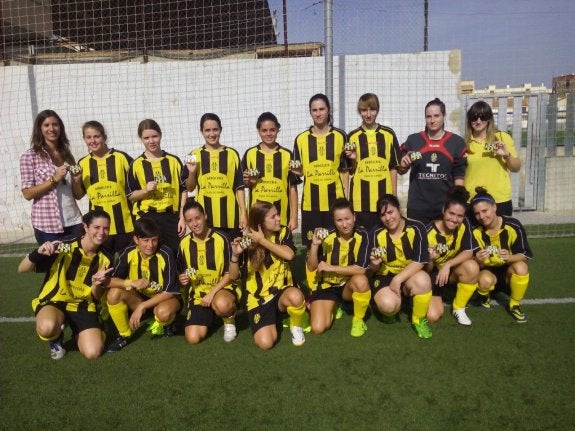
358	327
230	332
338	313
422	328
156	328
169	330
118	344
517	314
297	337
461	317
56	349
485	301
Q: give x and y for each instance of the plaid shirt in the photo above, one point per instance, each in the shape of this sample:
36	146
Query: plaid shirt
36	170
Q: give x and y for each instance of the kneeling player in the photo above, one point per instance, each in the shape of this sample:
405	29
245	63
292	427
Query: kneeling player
269	283
76	276
144	279
203	261
339	261
398	257
503	254
451	249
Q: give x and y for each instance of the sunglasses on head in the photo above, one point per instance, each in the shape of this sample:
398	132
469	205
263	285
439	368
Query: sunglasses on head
482	117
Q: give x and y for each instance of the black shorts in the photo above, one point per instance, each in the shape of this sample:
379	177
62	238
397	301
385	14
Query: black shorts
332	293
78	320
201	316
265	314
310	220
378	282
500	272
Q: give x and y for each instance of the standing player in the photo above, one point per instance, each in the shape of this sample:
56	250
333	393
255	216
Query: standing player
491	156
76	277
144	279
203	262
266	172
436	158
103	178
503	254
320	150
451	249
398	258
214	173
339	262
375	155
153	184
269	283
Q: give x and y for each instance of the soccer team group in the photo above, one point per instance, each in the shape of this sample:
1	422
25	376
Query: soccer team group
146	252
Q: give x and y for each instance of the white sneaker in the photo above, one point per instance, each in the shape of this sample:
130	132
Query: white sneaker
56	349
230	332
461	317
297	337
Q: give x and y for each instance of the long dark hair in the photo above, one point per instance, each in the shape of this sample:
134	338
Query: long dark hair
324	99
37	142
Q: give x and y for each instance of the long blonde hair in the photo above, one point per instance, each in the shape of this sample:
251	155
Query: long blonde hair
256	218
481	109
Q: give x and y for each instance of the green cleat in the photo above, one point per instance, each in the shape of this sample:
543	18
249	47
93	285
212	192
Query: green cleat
422	328
358	327
156	328
337	313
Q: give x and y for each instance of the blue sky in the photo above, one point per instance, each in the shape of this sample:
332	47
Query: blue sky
503	42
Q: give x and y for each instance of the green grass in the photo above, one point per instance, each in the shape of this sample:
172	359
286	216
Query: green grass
495	374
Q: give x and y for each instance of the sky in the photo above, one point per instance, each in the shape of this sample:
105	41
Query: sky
502	42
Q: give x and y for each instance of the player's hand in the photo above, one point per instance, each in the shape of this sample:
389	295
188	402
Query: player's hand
443	276
207	299
48	248
395	286
323	266
483	254
181	227
184	279
151	186
504	254
406	161
140	284
432	253
136	317
500	149
102	277
256	235
60	174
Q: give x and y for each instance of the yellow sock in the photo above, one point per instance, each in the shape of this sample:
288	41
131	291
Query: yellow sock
463	295
518	285
296	314
119	315
420	306
485	292
360	303
55	337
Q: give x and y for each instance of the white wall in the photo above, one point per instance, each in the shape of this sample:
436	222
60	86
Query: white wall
176	94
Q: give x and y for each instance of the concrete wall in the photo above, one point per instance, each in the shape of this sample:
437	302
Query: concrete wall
176	94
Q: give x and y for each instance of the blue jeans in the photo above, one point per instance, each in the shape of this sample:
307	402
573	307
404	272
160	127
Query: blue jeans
70	232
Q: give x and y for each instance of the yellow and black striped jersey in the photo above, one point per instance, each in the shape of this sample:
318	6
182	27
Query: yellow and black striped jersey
450	245
411	246
208	257
511	237
159	269
219	177
275	179
337	251
322	160
377	153
104	181
69	277
166	171
273	276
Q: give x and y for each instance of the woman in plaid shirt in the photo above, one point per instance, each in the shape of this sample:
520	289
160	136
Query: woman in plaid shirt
47	183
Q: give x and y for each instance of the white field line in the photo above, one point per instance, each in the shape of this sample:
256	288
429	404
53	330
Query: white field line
536	301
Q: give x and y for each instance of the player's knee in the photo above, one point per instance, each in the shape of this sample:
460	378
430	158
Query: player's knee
47	328
434	315
193	338
264	343
92	352
114	296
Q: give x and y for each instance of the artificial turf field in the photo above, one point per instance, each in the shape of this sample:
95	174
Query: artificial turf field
496	374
